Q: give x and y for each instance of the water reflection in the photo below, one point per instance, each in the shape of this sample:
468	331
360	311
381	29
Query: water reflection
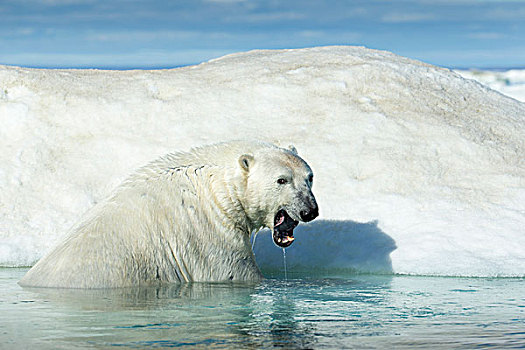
274	318
163	316
272	313
149	298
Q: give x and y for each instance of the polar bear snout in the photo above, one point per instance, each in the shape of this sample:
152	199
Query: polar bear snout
311	211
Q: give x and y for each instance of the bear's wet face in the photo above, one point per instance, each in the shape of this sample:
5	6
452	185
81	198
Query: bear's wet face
283	229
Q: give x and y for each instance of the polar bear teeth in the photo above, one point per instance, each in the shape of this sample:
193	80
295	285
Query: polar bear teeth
286	239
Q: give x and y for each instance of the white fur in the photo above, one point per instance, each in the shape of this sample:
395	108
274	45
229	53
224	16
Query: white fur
184	217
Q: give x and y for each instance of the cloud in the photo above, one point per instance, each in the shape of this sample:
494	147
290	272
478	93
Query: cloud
226	1
141	36
56	2
269	17
506	14
397	17
486	36
322	35
18	31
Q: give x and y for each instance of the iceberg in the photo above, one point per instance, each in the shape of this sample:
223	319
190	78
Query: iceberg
417	169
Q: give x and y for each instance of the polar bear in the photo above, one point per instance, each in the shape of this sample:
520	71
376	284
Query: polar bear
185	217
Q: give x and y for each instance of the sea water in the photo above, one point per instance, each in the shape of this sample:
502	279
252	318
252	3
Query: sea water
345	311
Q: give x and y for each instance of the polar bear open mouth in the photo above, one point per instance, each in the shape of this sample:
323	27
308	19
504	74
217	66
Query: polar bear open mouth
283	229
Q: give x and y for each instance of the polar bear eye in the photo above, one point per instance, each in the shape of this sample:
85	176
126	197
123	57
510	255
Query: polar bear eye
282	181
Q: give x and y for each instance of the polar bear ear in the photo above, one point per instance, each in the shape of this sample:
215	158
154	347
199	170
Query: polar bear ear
246	161
293	149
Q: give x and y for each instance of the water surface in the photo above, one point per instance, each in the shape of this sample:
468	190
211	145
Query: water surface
356	311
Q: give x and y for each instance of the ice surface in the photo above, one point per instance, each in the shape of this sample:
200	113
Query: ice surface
417	170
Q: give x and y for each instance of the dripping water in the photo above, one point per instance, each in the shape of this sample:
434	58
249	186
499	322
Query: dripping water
254	237
284	259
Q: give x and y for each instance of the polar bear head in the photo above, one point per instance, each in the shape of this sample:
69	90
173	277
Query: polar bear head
278	191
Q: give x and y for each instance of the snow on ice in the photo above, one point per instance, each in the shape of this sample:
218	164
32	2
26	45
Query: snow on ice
417	169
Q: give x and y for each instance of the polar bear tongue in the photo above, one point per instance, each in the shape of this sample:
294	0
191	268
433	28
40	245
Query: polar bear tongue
280	219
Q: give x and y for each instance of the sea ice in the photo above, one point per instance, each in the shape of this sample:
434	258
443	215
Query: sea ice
417	169
510	82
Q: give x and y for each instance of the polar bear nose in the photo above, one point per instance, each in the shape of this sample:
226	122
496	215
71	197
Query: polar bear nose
309	215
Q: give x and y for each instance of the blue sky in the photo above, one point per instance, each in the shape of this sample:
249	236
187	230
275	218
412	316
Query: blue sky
147	34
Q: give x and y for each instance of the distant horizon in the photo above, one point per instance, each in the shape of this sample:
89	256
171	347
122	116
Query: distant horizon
162	67
125	68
